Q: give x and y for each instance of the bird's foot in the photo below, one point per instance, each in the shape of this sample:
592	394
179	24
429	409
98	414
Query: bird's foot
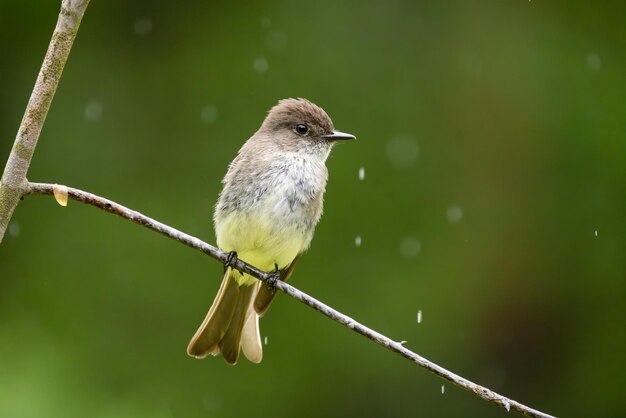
273	278
231	259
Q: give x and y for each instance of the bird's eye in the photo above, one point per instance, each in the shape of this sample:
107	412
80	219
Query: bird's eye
301	129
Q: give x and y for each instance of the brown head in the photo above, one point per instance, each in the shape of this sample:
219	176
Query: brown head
299	125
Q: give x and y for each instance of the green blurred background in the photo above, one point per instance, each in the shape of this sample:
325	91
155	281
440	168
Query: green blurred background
492	137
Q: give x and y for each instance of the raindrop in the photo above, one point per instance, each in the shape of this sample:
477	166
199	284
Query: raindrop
410	247
593	61
143	26
595	233
276	40
265	340
362	173
208	114
357	241
260	65
454	214
443	389
402	151
14	229
419	316
93	111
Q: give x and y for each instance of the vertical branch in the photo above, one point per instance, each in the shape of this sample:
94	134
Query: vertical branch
14	184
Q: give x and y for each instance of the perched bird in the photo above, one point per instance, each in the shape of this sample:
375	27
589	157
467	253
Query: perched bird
271	200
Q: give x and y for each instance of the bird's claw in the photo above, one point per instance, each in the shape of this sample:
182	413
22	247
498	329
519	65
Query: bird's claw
273	278
231	259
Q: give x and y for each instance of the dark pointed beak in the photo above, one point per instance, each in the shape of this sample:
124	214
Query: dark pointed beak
339	136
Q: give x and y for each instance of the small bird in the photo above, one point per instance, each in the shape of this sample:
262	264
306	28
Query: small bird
271	200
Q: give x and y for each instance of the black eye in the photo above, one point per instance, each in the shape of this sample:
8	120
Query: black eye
301	129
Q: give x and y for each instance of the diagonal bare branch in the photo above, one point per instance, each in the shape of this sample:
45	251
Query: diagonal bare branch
14	183
14	186
193	242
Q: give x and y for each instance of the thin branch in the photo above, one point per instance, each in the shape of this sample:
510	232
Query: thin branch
14	183
14	186
193	242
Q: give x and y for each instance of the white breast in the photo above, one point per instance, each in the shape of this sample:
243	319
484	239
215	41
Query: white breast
279	225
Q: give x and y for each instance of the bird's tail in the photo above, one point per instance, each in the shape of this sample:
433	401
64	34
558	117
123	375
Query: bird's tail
231	323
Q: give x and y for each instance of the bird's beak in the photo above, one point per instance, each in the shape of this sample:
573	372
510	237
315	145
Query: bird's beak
338	136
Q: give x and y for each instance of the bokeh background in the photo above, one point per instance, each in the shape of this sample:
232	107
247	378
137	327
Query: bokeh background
491	136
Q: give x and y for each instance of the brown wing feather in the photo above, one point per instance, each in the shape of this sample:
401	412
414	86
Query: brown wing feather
250	334
217	321
231	341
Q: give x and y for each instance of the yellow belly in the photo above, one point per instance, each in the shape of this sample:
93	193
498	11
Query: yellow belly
260	242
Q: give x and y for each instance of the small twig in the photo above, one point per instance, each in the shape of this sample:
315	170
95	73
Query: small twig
14	183
193	242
